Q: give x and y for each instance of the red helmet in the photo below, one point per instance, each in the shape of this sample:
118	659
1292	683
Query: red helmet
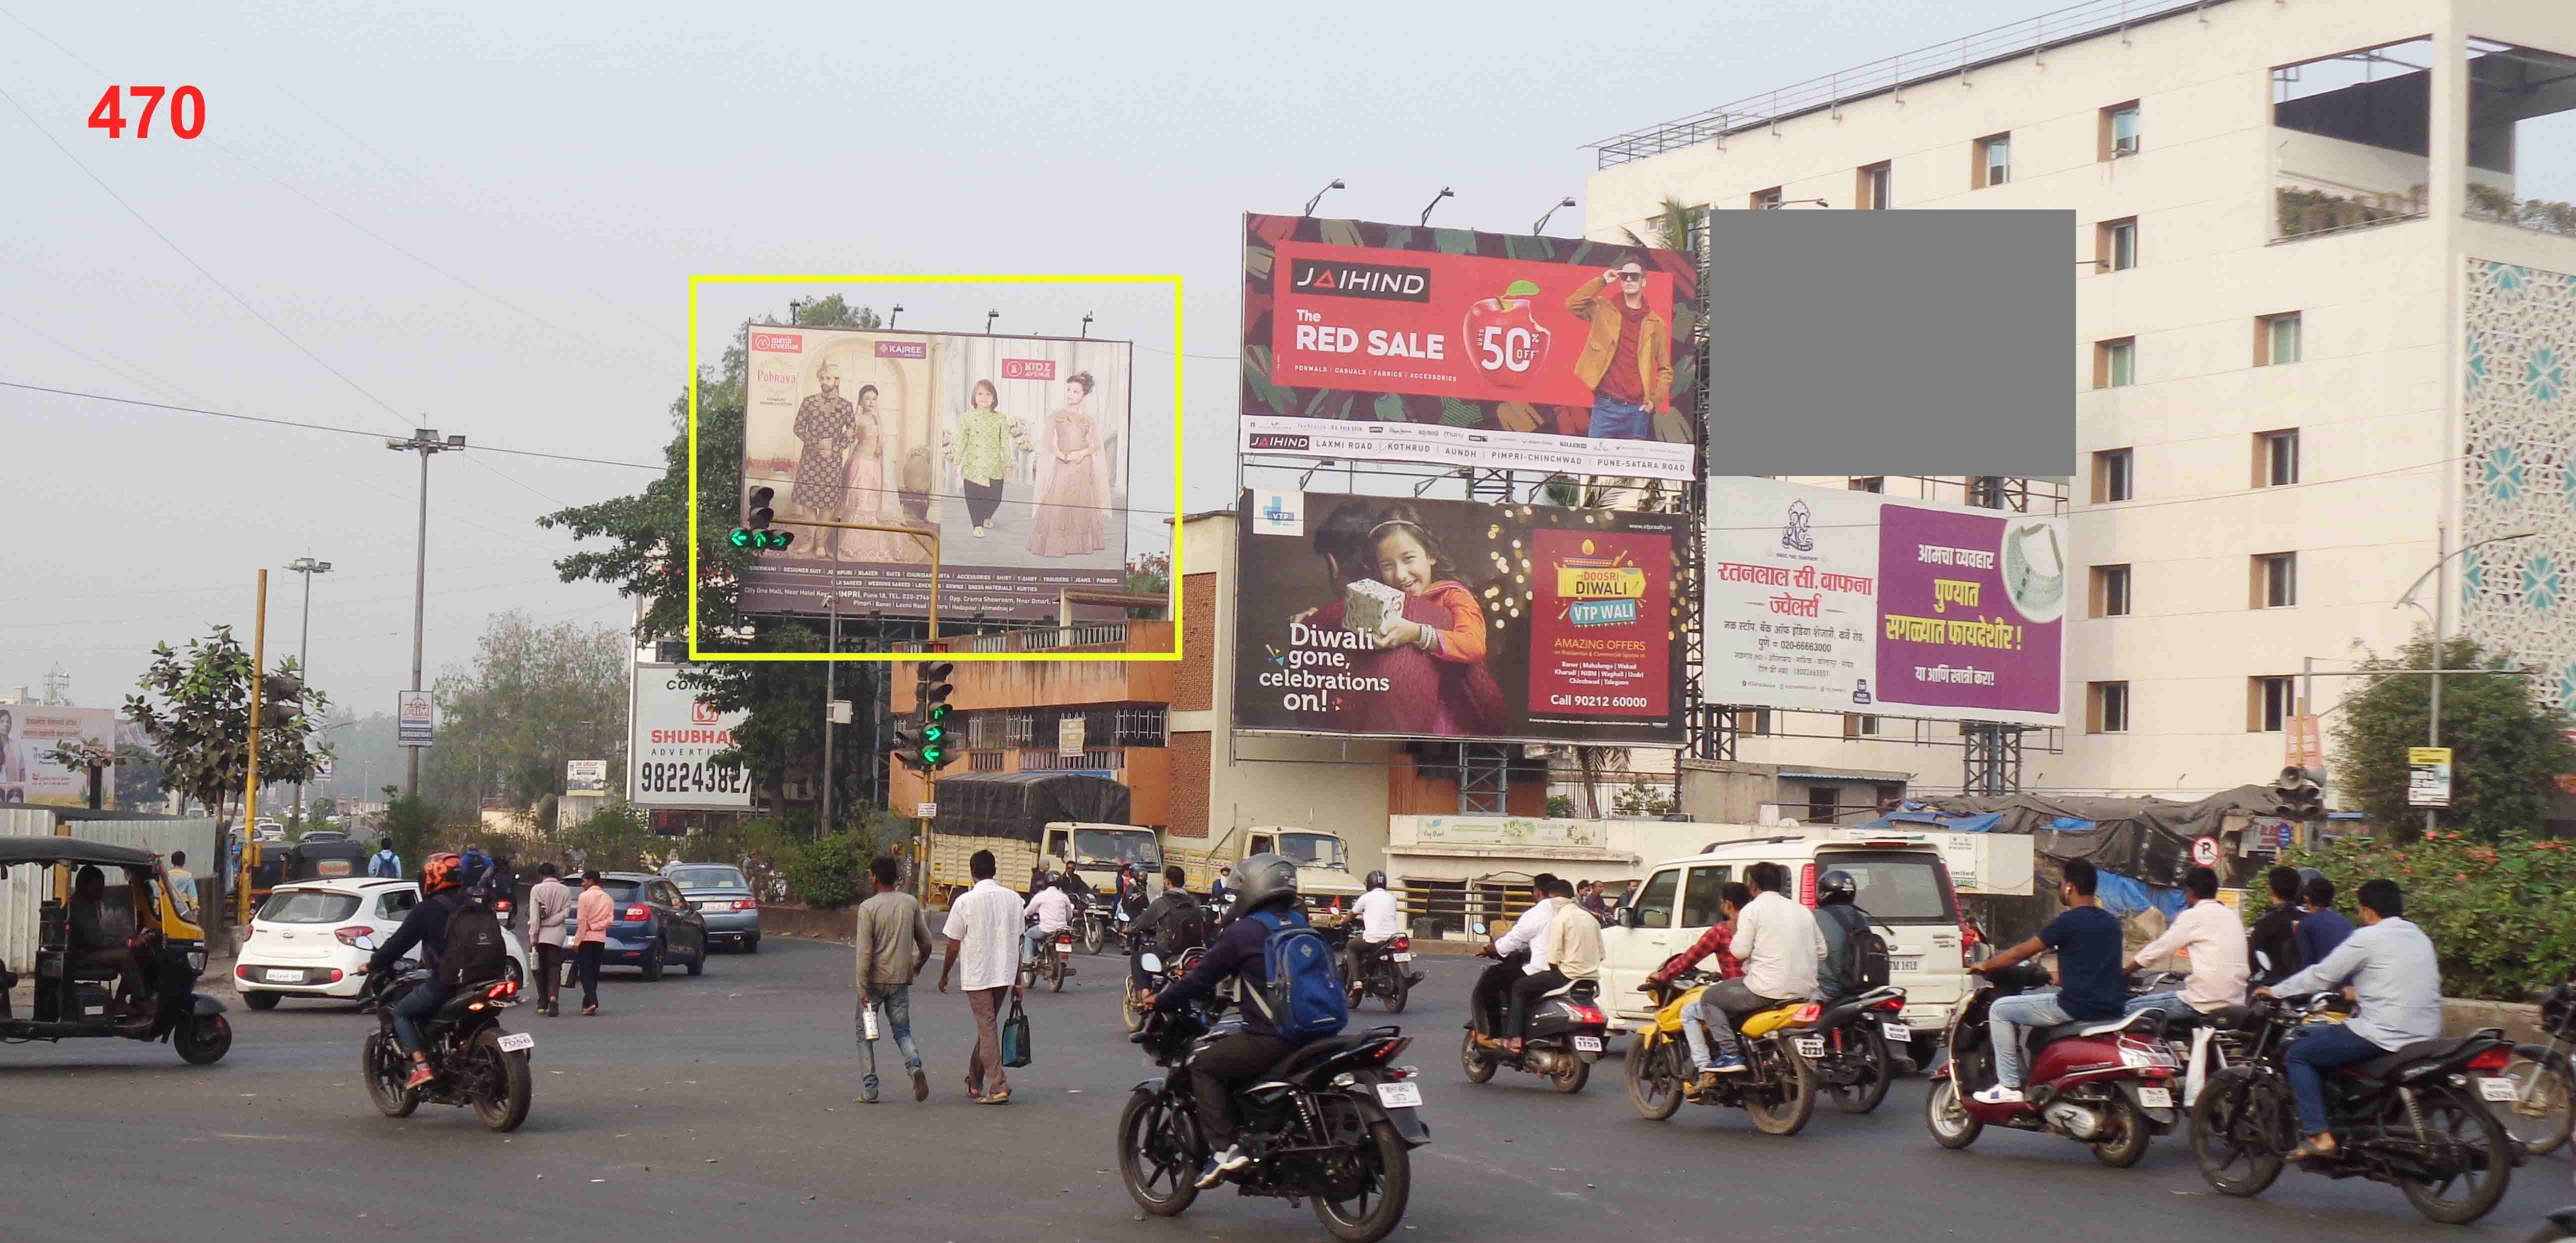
440	872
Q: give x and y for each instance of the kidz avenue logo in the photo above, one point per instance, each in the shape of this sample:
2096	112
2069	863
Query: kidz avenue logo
1382	282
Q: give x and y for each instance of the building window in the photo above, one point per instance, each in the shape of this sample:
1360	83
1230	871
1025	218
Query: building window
2120	130
1143	726
1870	188
1023	728
1994	161
2276	458
2110	591
1857	725
2106	708
2115	363
2270	703
2276	580
1764	200
1869	483
1823	804
1755	721
2112	481
2276	340
984	731
2115	245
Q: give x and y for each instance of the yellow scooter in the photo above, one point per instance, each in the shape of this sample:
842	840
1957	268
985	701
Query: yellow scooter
1777	1087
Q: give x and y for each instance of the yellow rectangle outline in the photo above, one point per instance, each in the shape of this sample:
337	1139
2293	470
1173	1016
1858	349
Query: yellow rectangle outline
1173	280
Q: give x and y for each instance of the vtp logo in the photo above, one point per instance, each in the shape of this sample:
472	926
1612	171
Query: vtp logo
1279	513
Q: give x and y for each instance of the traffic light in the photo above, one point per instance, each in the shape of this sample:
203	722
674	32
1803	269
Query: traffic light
754	531
280	701
2296	796
923	743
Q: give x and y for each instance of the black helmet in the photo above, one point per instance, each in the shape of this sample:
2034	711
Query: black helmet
1377	880
1264	882
1836	886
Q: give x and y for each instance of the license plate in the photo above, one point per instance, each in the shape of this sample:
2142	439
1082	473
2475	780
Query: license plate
2496	1089
275	975
1404	957
333	867
2156	1098
1905	964
713	906
1399	1095
1896	1031
518	1042
1811	1046
1587	1044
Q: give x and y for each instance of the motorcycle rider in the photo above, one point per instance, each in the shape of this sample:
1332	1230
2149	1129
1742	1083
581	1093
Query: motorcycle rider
1054	913
1731	900
1492	987
1777	940
1265	882
2209	933
2397	989
2275	934
1381	921
1836	920
1167	906
442	886
2088	942
1573	953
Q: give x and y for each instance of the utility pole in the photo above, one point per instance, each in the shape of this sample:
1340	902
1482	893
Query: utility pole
424	441
831	704
308	567
2441	622
250	782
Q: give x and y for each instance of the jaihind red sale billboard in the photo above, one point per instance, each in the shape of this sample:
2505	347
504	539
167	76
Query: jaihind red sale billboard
1386	343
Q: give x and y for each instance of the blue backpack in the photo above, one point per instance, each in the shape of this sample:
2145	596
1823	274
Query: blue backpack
1304	994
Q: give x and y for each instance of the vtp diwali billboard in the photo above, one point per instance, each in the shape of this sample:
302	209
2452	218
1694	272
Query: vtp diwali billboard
1453	619
1825	600
1381	342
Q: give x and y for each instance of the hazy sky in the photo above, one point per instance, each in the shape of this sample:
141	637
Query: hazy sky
483	222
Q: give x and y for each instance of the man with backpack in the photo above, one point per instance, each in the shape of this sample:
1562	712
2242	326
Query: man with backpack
463	945
385	862
1173	923
1288	992
1855	956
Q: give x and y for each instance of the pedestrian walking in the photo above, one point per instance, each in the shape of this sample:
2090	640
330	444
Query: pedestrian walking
894	946
591	915
984	925
549	906
183	885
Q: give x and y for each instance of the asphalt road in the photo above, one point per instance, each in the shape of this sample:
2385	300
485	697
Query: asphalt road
721	1106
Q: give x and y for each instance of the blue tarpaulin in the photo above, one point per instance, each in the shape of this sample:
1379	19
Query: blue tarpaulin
2127	896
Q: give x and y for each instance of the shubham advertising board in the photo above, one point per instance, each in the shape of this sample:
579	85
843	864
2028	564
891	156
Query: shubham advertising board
1380	342
30	732
1012	449
670	761
1823	600
1454	619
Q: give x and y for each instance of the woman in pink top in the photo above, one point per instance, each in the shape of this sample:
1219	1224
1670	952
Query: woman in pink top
590	940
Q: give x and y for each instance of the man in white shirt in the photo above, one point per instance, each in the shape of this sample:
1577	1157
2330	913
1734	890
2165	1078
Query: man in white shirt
982	925
1529	934
1381	920
2213	937
1054	911
1777	942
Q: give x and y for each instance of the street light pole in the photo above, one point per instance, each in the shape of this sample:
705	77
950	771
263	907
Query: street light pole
424	441
308	567
2442	619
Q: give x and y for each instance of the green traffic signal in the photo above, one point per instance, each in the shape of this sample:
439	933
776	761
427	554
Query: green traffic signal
740	538
930	755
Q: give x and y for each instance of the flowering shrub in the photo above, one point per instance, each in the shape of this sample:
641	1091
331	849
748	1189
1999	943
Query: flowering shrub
2502	914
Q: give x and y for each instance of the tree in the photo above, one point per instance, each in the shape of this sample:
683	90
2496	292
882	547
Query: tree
534	698
90	756
195	710
2508	743
138	777
1643	799
1150	575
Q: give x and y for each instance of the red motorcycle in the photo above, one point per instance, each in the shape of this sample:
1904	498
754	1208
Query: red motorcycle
2105	1083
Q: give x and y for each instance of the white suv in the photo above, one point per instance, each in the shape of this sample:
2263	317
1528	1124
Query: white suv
1904	885
301	939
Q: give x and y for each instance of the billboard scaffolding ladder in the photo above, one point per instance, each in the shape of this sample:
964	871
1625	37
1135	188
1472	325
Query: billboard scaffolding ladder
1991	760
1484	778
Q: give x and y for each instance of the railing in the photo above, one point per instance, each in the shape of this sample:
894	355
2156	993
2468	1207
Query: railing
1034	761
1089	634
2309	206
984	761
2037	34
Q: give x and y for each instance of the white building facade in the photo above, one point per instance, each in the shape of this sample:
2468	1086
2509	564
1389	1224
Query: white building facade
2322	342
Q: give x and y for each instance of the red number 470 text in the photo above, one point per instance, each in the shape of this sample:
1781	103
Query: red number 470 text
187	111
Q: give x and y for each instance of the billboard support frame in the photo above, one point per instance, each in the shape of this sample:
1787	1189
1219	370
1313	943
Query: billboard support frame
932	537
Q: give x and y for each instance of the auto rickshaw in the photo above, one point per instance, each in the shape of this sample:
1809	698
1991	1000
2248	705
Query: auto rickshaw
119	960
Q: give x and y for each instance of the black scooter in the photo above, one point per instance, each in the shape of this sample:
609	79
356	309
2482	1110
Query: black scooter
1563	1034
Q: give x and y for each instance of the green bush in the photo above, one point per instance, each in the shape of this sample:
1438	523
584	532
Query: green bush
2501	914
831	872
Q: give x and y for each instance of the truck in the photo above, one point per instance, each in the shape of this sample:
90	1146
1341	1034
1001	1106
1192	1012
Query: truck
1323	860
1027	819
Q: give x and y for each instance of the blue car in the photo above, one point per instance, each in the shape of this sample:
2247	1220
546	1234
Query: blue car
653	926
724	899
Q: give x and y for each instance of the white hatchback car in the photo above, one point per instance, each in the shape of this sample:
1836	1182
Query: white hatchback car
302	939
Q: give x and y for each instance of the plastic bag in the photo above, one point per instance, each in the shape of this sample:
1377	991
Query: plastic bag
1015	1037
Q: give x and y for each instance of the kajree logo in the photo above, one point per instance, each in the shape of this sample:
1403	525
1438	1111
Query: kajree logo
1341	279
1600	590
1799	533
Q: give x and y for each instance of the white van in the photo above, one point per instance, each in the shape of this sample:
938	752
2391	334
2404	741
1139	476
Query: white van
1904	885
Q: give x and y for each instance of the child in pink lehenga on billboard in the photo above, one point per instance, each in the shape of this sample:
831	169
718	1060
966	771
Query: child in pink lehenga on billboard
1072	513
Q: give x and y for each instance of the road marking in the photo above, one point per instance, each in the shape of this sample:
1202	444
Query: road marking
299	1139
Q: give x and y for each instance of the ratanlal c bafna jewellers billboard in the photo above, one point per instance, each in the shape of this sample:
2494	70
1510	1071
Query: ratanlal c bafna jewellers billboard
1387	343
675	735
1012	449
28	732
1826	600
1397	618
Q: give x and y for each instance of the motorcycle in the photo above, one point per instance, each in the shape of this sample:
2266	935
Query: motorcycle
1335	1122
1095	926
2104	1083
1852	1048
1133	1008
478	1064
2417	1118
1379	969
1562	1036
2544	1079
1053	960
1777	1087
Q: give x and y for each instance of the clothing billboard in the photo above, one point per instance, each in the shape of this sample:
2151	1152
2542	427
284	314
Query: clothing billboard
1456	619
30	732
1382	342
1825	600
675	738
1012	449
